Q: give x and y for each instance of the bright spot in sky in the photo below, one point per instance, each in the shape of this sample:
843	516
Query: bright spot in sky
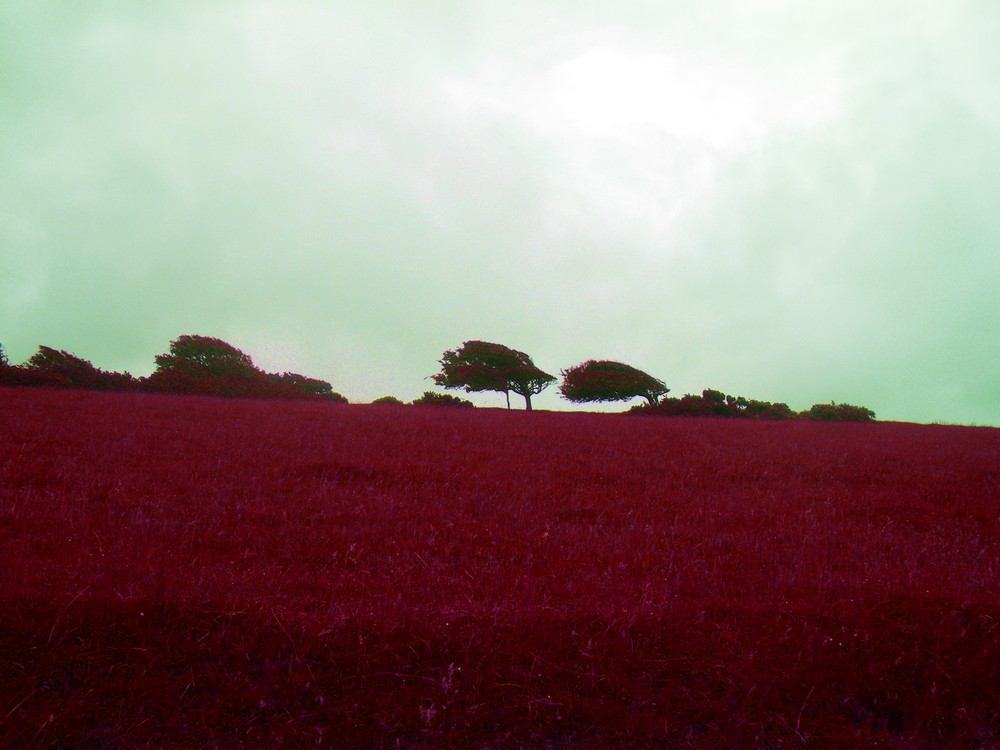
611	92
640	136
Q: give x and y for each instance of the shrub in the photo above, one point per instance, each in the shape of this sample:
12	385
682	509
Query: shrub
29	378
713	396
832	412
388	401
293	385
441	399
54	367
712	403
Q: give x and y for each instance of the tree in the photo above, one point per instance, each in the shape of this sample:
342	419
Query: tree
207	366
483	366
4	362
54	367
53	360
201	355
210	366
609	381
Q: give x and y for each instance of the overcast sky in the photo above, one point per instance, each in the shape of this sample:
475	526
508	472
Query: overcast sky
792	201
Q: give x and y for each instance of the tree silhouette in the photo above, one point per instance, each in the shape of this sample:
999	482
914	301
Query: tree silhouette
55	360
55	367
4	362
199	356
484	366
833	412
605	380
205	365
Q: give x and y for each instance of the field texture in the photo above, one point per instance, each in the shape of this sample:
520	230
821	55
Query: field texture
198	572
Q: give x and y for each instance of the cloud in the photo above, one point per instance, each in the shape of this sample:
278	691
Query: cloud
790	203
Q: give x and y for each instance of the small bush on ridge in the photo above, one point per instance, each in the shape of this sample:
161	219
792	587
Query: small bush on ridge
441	399
839	413
713	403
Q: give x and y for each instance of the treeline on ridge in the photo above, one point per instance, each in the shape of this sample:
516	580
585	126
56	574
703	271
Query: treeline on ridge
486	366
193	365
712	403
209	366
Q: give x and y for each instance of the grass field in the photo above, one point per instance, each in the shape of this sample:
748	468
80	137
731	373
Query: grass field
198	572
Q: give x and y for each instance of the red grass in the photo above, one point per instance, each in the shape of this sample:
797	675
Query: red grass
193	572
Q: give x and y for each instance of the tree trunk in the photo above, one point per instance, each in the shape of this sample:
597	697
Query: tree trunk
527	402
507	394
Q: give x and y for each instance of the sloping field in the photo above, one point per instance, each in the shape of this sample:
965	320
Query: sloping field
195	572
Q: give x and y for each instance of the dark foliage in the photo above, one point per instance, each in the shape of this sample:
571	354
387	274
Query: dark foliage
4	362
194	365
55	368
609	381
296	385
201	356
210	366
712	403
441	399
388	401
839	413
53	360
484	366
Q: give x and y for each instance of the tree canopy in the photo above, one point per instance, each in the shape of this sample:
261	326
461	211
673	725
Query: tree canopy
203	355
604	380
206	365
55	367
56	360
306	384
485	366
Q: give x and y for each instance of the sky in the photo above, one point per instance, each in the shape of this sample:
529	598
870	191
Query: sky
788	201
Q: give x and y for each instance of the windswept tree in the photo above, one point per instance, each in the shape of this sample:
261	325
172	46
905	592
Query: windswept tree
483	366
205	365
56	360
604	380
55	367
202	356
